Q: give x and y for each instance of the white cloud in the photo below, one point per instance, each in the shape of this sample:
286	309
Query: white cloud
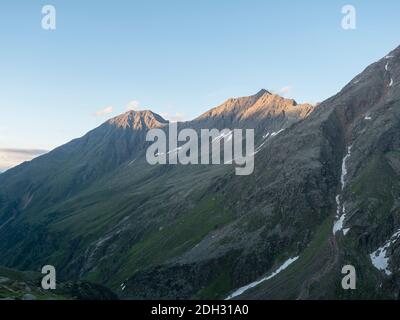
176	117
10	157
133	105
106	110
286	90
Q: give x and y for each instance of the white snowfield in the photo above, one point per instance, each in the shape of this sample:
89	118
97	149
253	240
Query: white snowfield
338	226
241	290
379	258
341	209
387	70
273	134
266	137
344	167
224	135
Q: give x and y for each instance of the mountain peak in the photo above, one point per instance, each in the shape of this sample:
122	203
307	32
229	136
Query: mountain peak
260	105
262	92
138	120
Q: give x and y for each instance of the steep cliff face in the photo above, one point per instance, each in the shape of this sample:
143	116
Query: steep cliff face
361	124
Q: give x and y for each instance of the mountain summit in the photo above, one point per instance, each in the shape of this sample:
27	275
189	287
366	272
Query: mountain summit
263	109
137	120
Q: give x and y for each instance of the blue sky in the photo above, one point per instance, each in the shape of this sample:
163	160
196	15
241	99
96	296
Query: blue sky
177	58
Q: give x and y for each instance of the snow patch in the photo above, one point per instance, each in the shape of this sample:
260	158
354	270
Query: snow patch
223	135
274	134
258	149
380	259
387	70
338	226
338	205
241	290
340	208
344	167
266	137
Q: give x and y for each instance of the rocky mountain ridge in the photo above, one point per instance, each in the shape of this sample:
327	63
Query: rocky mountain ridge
97	211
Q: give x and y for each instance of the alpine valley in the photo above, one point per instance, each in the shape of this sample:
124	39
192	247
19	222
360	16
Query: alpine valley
325	193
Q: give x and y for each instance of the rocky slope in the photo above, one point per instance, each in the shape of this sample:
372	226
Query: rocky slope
361	124
97	211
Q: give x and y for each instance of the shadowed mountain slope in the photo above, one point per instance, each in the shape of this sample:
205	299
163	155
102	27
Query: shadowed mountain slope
96	199
97	211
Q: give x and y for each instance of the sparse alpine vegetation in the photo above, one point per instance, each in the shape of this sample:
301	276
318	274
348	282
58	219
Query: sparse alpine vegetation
97	211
